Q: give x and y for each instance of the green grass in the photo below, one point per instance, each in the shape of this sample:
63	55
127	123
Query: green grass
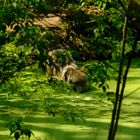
26	100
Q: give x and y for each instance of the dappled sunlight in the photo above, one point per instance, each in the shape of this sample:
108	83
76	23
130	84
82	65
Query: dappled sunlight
69	131
93	106
97	114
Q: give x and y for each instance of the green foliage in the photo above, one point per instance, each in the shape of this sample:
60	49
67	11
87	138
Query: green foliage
14	126
99	73
98	33
59	84
101	4
31	43
16	129
96	36
67	111
99	30
12	60
92	30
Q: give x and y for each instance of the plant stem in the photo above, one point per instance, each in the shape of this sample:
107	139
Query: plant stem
123	87
118	100
113	119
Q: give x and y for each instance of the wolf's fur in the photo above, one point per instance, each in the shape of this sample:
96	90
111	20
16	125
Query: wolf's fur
73	74
66	71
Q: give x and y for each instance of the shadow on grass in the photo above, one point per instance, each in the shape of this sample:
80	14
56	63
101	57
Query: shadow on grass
44	126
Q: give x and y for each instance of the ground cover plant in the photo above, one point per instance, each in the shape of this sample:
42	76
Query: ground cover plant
91	110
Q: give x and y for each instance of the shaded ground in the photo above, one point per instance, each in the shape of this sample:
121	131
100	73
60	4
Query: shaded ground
96	111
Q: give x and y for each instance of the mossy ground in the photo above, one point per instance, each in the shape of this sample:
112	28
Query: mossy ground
26	101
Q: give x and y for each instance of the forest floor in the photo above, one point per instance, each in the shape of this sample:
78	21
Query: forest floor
95	107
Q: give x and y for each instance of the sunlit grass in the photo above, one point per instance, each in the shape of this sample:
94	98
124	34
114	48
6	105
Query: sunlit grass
28	103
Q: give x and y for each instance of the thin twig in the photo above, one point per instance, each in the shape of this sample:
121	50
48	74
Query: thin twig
131	93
